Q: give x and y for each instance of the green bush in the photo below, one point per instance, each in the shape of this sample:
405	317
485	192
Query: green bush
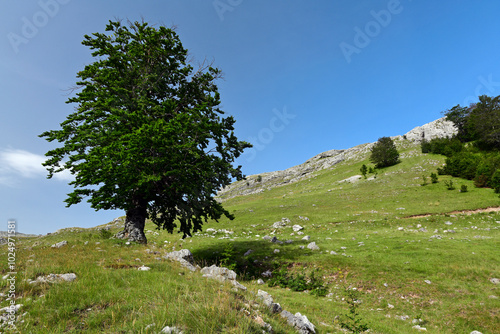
495	181
463	188
384	153
434	178
298	282
463	164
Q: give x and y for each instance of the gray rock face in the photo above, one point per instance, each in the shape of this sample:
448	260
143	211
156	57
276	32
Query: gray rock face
439	128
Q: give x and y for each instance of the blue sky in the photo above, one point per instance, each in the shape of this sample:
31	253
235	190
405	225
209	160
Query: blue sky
301	77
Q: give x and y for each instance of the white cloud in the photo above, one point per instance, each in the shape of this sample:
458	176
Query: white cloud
19	163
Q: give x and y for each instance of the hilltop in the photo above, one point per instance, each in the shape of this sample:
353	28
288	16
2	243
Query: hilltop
257	183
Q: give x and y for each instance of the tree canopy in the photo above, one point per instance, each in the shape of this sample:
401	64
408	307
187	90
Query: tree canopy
147	135
384	153
480	122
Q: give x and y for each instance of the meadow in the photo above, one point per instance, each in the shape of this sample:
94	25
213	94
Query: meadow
398	252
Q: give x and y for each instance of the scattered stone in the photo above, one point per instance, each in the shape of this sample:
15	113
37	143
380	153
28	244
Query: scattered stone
268	301
400	228
211	230
448	223
306	238
476	332
60	244
171	330
268	328
299	321
313	246
422	329
184	257
494	280
144	268
333	253
427	281
390	306
297	228
276	251
222	274
260	281
248	252
54	278
303	218
267	273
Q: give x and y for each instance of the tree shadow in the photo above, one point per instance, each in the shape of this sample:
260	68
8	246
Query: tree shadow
250	258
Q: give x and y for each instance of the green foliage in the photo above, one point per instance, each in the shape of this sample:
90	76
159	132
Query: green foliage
147	135
495	181
298	282
227	258
444	146
259	178
384	153
463	188
352	321
424	180
463	164
363	170
434	178
449	184
105	234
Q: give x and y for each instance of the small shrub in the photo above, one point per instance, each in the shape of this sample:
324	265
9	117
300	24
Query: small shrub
363	170
424	180
434	178
259	178
298	282
449	185
352	320
463	188
105	234
228	257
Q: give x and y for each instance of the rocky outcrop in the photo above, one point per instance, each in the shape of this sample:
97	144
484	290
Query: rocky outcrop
439	128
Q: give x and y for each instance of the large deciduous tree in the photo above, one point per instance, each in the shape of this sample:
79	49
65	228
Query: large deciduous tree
147	135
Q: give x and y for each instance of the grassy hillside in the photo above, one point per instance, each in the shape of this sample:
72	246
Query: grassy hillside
437	267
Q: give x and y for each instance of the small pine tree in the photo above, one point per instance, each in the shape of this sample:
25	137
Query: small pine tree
384	153
364	170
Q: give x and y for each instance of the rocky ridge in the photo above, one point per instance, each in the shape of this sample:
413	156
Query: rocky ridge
255	184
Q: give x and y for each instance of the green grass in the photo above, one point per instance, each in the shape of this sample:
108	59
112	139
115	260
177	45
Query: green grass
388	258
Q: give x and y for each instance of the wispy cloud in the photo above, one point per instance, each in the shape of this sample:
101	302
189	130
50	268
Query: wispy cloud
15	164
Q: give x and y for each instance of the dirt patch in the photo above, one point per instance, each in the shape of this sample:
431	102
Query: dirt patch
461	212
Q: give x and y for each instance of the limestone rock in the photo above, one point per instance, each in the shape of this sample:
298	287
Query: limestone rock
313	246
60	244
184	257
54	278
222	274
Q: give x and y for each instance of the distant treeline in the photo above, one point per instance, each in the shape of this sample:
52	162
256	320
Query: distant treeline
474	152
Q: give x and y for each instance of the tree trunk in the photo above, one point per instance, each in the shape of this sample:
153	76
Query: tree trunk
134	223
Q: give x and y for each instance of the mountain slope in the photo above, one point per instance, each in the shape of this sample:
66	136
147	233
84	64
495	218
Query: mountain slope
257	183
